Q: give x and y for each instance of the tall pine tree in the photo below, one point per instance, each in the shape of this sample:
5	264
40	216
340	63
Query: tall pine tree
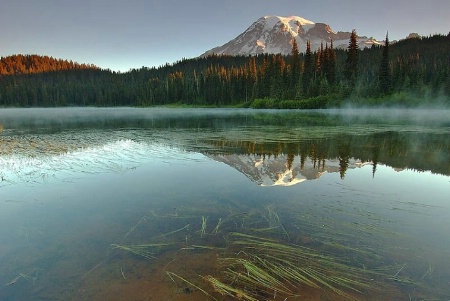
330	72
384	74
308	68
295	66
351	63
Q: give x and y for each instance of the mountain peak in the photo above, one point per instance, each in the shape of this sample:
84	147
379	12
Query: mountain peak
286	20
275	34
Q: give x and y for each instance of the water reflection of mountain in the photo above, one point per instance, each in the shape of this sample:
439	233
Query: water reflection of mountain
281	170
288	163
293	145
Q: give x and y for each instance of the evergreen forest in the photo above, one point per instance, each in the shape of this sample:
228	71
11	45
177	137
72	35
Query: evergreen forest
409	73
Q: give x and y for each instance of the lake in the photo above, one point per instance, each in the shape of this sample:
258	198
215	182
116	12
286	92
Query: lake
224	204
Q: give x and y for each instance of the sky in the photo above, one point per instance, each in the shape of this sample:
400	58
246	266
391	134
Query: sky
125	34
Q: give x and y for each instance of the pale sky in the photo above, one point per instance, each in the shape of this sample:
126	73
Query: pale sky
124	34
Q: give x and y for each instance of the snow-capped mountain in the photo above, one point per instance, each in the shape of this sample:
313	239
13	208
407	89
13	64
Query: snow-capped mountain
274	34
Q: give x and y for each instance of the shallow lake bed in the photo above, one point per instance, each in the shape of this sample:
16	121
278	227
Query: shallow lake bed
183	204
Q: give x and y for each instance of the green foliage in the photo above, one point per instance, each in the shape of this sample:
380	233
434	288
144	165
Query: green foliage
317	102
263	104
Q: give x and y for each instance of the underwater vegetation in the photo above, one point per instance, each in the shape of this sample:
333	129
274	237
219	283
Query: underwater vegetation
261	255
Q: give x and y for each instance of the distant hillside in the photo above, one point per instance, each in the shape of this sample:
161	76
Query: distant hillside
412	72
30	64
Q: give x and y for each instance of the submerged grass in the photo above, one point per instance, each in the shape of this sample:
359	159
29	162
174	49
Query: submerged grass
204	224
148	251
175	231
291	266
227	290
256	259
173	275
216	229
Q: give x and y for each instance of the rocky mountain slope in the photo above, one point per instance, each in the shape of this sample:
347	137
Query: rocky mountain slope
275	34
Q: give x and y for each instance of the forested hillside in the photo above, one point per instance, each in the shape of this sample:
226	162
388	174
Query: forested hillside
29	64
410	72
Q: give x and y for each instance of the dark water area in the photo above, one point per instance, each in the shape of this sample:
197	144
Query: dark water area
224	204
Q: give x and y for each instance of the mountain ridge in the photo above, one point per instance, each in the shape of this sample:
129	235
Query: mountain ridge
275	34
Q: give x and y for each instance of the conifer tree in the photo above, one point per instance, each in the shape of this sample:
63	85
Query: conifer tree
331	64
384	74
320	61
308	68
253	79
295	65
351	63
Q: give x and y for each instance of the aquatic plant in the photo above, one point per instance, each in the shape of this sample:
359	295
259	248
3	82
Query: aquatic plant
255	258
148	251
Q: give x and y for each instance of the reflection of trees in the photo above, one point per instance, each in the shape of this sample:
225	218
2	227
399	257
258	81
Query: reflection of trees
290	160
303	157
344	155
400	150
375	155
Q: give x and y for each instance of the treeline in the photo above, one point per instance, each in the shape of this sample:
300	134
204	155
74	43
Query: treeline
30	64
410	72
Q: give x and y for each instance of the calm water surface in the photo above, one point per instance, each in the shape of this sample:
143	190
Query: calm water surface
184	204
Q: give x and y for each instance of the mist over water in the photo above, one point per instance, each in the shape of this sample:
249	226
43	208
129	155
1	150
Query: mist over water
12	118
369	187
